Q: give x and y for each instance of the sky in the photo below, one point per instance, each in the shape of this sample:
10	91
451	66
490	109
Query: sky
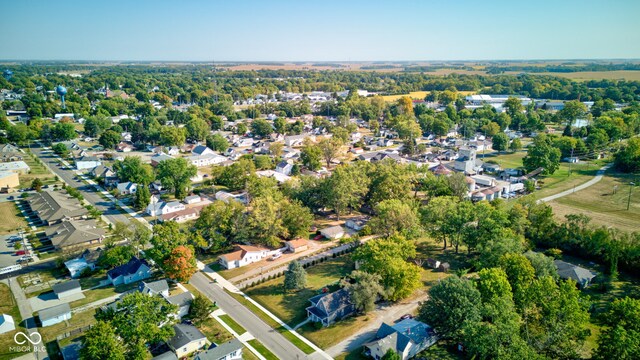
325	30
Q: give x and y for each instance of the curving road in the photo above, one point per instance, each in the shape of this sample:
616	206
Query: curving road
591	182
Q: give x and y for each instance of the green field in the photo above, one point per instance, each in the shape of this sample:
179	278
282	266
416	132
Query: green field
605	202
12	218
9	306
37	171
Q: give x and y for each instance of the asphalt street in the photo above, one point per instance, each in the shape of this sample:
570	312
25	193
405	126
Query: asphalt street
269	337
89	192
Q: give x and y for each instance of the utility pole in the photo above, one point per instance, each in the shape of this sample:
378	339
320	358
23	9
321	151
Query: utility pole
631	185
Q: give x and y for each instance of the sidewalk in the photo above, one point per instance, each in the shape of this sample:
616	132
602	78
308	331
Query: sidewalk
591	182
243	338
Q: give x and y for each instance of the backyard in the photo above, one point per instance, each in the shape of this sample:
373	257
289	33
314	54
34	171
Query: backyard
290	307
8	306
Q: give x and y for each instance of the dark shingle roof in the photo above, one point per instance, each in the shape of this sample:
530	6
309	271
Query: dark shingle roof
184	335
66	286
154	287
129	268
574	272
54	311
182	299
326	304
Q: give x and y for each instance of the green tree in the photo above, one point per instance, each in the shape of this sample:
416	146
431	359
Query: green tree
176	174
109	139
261	127
346	188
101	343
133	169
36	184
621	338
500	142
219	223
515	145
197	129
217	142
140	319
236	176
391	355
542	154
329	149
628	158
520	274
95	125
311	156
264	224
60	150
543	265
493	284
395	217
296	218
115	256
172	136
166	237
365	290
513	106
200	309
64	131
142	198
280	125
490	128
295	278
241	128
263	162
572	110
452	302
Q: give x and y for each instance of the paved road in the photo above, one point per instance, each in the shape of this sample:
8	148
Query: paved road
88	191
591	182
269	337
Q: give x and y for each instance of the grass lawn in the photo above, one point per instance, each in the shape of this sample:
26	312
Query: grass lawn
12	219
37	171
290	307
297	342
328	336
9	306
262	350
214	331
102	293
233	324
602	205
248	355
78	320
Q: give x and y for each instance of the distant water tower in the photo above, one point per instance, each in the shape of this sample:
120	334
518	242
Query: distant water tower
62	91
7	74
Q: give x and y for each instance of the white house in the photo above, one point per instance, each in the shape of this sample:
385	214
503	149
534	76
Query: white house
231	350
333	232
55	314
87	162
245	254
296	140
193	199
284	167
244	142
202	150
127	188
6	323
206	160
227	196
157	207
281	178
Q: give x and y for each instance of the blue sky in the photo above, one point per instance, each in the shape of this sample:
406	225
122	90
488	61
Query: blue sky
326	30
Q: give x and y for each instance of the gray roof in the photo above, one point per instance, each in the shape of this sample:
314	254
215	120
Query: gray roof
185	334
168	355
54	311
401	335
181	299
333	230
574	272
326	304
127	269
56	205
217	352
66	286
154	287
74	232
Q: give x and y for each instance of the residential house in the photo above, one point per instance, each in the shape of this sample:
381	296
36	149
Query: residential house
126	136
75	233
333	232
231	350
297	245
357	223
158	208
124	147
441	170
87	162
290	153
330	307
6	323
245	254
202	150
406	338
192	199
284	167
297	140
383	142
206	159
182	215
182	301
105	173
173	150
127	188
66	289
135	270
280	178
187	339
55	314
159	287
167	355
236	196
244	142
52	207
576	273
19	167
158	158
87	260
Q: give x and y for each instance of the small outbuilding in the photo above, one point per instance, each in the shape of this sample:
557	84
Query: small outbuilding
66	289
55	314
6	323
333	232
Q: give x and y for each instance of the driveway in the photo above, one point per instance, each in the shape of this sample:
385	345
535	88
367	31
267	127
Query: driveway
50	299
591	182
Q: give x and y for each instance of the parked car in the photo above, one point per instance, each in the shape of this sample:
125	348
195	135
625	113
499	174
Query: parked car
318	237
21	252
24	259
10	197
275	256
406	316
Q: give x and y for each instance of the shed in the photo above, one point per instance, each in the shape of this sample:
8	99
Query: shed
333	232
297	245
66	289
6	323
55	314
444	267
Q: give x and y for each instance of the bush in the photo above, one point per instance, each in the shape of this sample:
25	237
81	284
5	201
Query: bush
554	253
317	325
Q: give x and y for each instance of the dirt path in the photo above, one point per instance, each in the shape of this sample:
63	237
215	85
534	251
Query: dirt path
591	182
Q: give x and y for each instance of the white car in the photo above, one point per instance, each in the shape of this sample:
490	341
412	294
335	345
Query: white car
276	256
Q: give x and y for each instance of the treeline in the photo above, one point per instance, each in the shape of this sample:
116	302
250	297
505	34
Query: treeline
563	68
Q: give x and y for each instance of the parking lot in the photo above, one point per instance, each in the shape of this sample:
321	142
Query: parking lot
7	253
